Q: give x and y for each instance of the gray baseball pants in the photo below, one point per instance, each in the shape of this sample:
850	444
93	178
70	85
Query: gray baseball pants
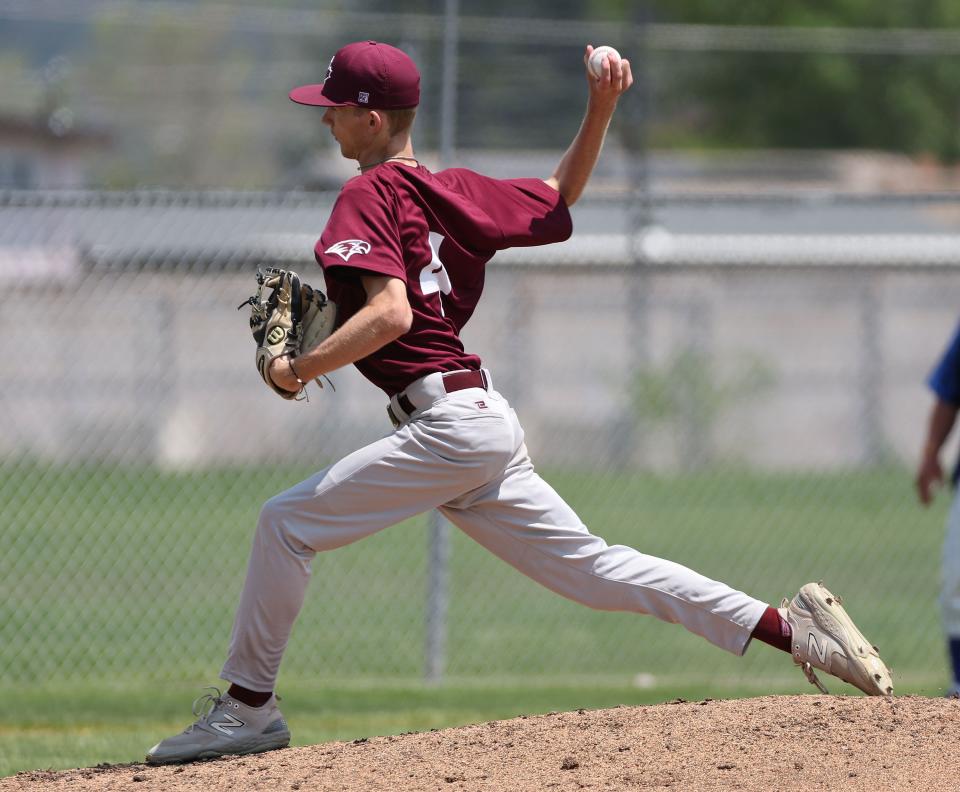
462	453
950	572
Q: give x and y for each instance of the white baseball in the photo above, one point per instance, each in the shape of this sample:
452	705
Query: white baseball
595	64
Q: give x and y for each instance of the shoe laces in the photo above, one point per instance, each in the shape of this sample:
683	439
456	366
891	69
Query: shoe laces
812	678
204	705
807	668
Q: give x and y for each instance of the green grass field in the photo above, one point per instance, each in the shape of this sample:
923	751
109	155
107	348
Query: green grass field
117	589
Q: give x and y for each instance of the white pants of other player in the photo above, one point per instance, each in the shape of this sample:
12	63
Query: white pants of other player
464	454
950	576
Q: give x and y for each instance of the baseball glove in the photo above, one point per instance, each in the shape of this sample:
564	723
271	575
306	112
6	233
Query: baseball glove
292	318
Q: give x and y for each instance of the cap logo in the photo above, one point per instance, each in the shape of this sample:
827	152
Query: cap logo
348	247
363	97
329	69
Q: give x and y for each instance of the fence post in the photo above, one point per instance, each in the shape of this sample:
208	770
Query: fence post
437	598
870	371
626	439
448	88
439	534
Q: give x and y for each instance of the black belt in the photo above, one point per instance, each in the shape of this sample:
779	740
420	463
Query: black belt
452	381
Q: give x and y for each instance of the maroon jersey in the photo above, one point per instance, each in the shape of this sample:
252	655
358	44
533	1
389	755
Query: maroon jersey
435	232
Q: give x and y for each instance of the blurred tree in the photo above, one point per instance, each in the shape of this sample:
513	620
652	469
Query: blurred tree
195	99
906	103
509	96
22	88
174	96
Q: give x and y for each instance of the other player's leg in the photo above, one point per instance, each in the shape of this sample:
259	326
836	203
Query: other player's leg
950	592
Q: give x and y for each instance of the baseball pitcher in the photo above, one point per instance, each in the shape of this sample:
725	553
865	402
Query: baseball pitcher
403	257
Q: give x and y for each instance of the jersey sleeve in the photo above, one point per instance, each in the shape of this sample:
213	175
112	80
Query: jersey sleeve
361	236
526	212
533	213
944	380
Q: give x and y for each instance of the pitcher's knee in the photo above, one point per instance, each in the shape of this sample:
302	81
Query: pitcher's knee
300	527
272	511
274	525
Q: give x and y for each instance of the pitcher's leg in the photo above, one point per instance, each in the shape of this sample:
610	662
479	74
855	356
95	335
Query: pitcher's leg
348	501
400	476
525	522
277	576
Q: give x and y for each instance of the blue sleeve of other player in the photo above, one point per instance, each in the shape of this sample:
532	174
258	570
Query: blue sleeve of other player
944	380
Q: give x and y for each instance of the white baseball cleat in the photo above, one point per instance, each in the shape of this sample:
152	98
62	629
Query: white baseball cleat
825	637
224	726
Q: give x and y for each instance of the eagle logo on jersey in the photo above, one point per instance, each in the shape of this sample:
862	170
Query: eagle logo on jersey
348	247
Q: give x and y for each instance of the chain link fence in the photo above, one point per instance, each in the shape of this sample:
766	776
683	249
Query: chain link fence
723	388
724	366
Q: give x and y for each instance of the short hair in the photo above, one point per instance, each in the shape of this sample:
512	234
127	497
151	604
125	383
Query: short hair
400	120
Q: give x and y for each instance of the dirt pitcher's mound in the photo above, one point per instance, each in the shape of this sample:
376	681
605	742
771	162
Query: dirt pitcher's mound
774	743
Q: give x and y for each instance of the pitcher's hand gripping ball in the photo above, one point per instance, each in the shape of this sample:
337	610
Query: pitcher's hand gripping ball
595	64
292	318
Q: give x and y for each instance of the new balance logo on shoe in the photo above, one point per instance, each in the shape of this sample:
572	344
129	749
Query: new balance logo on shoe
814	648
226	725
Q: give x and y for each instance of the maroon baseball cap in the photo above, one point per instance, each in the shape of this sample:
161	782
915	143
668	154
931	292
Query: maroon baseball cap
365	74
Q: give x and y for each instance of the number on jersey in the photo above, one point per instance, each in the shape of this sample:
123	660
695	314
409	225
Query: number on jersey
434	278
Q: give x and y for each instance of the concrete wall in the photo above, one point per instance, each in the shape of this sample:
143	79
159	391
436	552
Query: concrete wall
808	370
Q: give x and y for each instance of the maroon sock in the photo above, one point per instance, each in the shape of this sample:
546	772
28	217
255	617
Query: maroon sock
251	698
773	629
